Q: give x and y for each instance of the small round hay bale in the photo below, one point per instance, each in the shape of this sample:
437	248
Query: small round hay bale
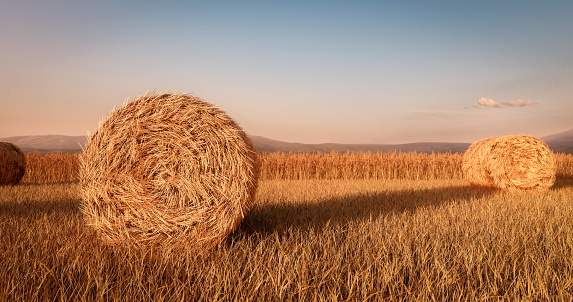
12	164
167	169
513	162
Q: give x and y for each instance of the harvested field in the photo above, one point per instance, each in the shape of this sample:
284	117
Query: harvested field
311	240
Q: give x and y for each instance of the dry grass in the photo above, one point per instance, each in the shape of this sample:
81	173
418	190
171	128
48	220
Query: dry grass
167	170
513	162
12	164
312	240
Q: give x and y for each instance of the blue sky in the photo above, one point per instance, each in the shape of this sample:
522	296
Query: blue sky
302	71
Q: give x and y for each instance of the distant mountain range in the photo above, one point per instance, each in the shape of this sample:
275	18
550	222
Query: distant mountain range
263	144
559	142
48	143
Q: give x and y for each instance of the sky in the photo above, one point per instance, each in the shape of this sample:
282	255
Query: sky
383	72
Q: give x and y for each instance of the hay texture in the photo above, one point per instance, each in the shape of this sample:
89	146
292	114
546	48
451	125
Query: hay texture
513	162
12	164
167	169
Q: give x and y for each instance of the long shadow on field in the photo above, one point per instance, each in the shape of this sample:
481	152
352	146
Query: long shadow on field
31	209
21	202
340	210
563	181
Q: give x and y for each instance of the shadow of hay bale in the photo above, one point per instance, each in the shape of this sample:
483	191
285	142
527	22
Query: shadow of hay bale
563	181
341	210
37	208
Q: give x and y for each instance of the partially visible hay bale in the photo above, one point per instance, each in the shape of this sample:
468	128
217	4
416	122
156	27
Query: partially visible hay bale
513	162
12	164
167	169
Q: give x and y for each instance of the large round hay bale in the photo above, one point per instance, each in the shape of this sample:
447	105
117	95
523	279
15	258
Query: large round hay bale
167	169
513	162
12	164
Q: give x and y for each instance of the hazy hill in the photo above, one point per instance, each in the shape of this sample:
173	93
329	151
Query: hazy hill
48	143
267	145
54	143
565	136
559	142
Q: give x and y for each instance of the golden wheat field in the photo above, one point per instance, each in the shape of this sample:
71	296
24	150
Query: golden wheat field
324	227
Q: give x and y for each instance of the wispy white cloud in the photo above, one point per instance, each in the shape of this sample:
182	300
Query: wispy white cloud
486	102
519	103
